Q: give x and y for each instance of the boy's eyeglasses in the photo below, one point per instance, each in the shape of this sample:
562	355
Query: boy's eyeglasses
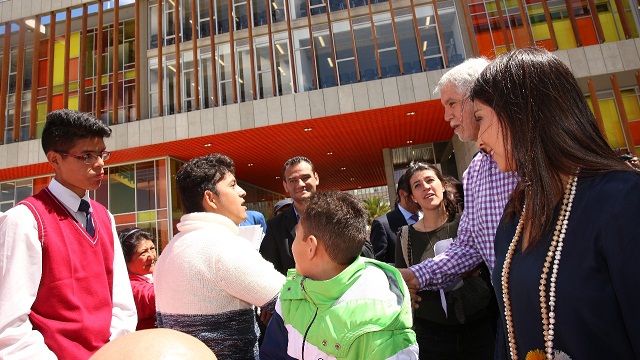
90	159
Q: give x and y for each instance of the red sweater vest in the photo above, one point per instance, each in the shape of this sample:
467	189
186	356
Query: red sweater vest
73	306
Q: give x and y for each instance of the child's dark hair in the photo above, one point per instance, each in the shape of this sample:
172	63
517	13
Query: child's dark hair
64	127
339	221
199	175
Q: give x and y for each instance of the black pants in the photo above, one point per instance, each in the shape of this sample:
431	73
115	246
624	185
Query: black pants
474	340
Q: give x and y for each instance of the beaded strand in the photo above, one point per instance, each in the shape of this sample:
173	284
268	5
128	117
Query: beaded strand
554	254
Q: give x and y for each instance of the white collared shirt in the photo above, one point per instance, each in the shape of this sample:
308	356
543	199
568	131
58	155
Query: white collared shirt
21	271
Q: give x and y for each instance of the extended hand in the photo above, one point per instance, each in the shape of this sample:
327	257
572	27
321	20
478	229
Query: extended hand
413	284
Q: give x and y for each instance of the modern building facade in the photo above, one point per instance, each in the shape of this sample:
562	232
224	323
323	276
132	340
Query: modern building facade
348	83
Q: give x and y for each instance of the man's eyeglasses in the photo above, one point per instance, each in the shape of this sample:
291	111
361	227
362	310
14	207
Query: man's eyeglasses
90	159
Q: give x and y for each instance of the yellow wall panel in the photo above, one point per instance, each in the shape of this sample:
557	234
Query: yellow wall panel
612	124
564	34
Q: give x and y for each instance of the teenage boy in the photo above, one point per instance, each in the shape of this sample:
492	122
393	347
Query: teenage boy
64	289
336	304
208	278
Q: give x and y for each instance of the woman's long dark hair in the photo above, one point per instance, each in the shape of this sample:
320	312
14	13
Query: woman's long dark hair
449	205
552	132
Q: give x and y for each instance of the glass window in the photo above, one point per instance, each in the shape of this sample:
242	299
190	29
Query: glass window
154	109
188	28
324	59
345	59
303	60
389	65
365	49
225	89
203	18
145	186
188	82
153	25
206	78
168	25
243	71
260	12
240	15
408	44
264	84
298	8
429	38
452	35
122	192
278	11
170	73
222	14
284	80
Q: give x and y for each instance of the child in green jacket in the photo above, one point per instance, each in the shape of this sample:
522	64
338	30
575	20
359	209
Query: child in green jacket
335	304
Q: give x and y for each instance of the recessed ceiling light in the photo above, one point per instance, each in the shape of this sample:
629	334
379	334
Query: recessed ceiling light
329	153
411	113
343	168
308	129
207	145
409	141
250	164
277	177
352	179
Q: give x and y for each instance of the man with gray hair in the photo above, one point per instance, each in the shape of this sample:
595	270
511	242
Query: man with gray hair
486	190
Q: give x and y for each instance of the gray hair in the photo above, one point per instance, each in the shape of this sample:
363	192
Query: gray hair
463	76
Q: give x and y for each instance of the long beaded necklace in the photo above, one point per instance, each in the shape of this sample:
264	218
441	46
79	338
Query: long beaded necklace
554	254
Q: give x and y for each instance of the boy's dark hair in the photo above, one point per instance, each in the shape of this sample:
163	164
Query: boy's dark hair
130	238
339	221
295	161
64	127
199	175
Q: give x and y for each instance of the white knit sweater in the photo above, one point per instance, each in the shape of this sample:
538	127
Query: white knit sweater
208	269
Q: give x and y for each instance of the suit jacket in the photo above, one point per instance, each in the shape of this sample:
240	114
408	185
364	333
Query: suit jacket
383	234
276	245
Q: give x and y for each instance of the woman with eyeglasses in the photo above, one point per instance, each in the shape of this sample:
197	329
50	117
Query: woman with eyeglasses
140	254
462	330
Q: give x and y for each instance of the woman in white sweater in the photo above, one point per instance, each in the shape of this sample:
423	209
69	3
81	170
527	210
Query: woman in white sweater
208	278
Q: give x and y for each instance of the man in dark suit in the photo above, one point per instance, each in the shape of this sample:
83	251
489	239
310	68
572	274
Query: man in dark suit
299	179
384	228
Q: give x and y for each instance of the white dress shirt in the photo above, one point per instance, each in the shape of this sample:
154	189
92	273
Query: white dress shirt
21	271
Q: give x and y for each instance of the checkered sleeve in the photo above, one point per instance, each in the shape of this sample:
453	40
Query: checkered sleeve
486	191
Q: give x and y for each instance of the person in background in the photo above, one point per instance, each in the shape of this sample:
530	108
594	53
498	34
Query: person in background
631	160
64	290
140	255
464	329
337	304
384	228
567	245
255	218
455	192
208	278
299	181
282	205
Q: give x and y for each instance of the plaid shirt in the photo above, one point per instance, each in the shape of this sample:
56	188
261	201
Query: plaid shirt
486	192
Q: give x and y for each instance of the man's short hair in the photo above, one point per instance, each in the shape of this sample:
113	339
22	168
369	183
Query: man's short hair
463	76
339	221
63	128
403	184
295	161
199	175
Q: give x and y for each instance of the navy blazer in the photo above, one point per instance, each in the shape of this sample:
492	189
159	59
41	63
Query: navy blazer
276	245
384	230
277	242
